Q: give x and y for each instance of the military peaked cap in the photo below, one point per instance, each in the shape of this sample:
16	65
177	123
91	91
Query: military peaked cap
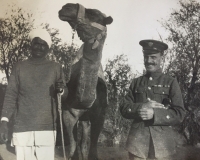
153	46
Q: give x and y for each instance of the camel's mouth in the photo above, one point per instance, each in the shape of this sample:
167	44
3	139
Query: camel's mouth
87	31
63	17
68	12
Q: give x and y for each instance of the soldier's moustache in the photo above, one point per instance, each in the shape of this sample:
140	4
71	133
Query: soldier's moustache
149	64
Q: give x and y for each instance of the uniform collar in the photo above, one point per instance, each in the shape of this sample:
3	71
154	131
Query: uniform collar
154	74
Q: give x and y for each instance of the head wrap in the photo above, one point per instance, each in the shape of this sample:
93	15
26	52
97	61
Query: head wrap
41	33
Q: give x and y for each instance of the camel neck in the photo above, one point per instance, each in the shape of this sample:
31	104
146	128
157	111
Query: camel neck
93	54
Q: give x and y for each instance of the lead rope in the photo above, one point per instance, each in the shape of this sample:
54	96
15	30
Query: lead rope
69	66
59	94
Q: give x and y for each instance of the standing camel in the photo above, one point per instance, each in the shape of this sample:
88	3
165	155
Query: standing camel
87	98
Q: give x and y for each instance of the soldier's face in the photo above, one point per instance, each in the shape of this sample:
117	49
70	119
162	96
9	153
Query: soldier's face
152	62
39	48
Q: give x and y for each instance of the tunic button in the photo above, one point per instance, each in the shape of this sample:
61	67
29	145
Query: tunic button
168	117
150	78
163	92
149	88
148	99
129	110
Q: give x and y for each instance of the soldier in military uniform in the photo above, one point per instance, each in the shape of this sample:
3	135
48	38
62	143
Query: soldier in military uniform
154	103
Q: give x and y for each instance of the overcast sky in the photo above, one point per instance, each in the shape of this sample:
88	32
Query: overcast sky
133	20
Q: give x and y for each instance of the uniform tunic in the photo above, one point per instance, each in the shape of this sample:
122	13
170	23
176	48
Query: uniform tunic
155	86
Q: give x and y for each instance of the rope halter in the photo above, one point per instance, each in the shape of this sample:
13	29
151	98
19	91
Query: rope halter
81	20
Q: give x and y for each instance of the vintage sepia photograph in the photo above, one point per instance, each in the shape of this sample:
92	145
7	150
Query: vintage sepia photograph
99	80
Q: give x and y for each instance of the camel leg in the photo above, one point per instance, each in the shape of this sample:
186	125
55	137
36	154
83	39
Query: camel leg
86	126
70	118
97	117
76	152
96	127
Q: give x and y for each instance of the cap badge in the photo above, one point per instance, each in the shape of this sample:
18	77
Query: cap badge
150	44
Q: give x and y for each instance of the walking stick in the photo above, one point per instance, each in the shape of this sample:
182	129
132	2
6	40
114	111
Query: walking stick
59	95
61	126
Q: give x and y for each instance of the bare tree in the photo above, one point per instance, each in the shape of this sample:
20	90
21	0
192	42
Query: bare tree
184	56
184	35
14	42
118	76
62	53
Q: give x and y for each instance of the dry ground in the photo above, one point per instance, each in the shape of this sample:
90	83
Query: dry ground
111	153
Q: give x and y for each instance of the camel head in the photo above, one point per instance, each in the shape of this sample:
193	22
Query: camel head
89	23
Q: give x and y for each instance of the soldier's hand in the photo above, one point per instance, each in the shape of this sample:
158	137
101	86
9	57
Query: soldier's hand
146	113
153	104
3	132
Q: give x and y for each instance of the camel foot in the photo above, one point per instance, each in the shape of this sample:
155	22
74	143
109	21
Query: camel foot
71	149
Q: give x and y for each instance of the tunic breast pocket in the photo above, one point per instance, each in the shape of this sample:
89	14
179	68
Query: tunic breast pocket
160	93
140	94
